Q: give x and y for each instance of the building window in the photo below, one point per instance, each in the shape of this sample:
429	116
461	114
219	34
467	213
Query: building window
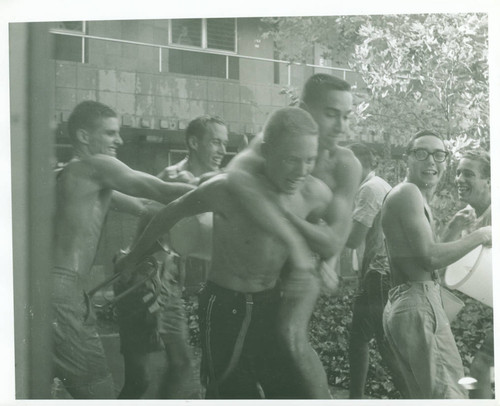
187	32
208	33
70	48
212	33
202	64
221	34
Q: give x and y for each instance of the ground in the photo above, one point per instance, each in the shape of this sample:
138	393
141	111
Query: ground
111	342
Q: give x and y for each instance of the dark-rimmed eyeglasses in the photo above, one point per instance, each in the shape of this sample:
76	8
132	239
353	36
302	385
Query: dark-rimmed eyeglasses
422	154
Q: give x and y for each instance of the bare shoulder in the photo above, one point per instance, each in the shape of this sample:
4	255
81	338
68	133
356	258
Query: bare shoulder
103	162
404	195
345	156
317	189
346	161
216	187
346	172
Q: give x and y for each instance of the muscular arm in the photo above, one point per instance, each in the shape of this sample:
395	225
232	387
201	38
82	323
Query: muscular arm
347	180
315	229
407	207
347	176
133	205
200	200
115	175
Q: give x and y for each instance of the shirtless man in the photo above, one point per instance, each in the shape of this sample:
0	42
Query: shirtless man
415	323
374	279
237	308
329	101
474	188
85	189
144	330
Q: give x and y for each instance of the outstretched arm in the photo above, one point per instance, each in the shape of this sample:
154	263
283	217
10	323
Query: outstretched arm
115	175
134	205
195	202
407	205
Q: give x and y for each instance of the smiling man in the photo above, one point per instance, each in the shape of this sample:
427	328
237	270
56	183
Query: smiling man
238	307
329	101
90	184
206	140
414	320
142	333
474	188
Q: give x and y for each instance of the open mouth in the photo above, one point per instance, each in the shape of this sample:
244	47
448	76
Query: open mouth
430	172
463	190
294	183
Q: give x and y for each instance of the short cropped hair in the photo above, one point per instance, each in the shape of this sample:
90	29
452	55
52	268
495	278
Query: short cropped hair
198	127
320	83
86	116
288	122
422	133
481	156
365	155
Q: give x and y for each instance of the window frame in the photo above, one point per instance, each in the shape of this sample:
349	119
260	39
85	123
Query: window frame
204	38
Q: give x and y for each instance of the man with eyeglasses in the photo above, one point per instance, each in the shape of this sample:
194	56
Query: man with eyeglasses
415	324
141	332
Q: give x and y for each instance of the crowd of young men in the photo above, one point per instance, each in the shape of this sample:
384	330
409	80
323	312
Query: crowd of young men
282	210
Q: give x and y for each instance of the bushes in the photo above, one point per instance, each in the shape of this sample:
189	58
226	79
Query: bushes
329	335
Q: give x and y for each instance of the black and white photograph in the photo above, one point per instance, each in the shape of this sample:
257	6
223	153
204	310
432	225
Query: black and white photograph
249	202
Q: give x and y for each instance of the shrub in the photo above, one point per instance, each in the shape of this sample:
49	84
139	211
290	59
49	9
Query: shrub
329	335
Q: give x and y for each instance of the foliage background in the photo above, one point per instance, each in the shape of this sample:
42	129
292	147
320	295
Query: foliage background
330	329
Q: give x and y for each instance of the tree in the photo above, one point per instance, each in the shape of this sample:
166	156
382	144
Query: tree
433	68
420	71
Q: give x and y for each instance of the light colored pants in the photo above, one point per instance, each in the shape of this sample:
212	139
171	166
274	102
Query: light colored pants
420	337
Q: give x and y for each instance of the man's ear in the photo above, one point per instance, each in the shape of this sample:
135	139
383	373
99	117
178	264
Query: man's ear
82	136
193	142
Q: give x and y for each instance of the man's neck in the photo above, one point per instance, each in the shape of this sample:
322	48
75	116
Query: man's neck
195	167
480	208
80	153
426	191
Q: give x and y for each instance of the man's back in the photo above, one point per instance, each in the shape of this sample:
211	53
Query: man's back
404	201
373	191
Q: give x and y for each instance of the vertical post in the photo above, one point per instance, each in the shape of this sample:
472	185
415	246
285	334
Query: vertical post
160	53
32	75
289	67
84	29
227	67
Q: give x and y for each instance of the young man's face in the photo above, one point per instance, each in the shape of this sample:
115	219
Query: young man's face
472	187
105	138
211	148
428	172
331	112
288	164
